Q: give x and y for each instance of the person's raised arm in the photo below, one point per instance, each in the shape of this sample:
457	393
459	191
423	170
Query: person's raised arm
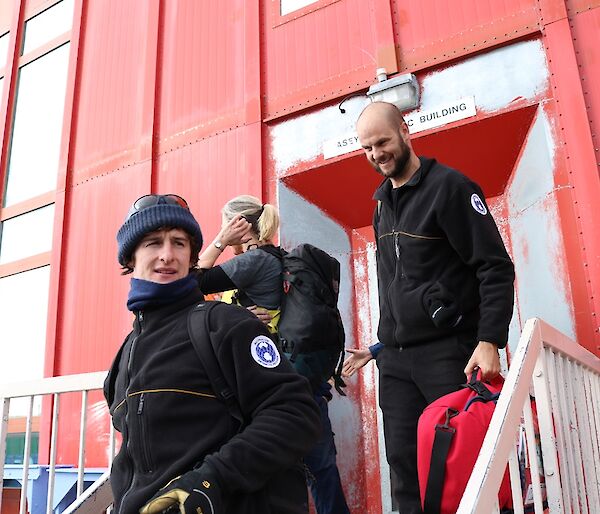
235	232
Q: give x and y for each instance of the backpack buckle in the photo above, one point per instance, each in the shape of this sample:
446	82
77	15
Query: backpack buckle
481	390
450	413
286	345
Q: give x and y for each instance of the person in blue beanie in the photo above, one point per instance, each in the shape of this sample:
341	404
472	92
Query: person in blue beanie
182	450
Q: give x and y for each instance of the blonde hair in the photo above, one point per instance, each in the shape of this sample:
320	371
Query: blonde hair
263	217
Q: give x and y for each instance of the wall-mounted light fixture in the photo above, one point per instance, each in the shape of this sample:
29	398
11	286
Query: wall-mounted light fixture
402	91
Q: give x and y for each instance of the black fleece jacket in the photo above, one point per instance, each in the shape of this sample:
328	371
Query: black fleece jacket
161	401
442	266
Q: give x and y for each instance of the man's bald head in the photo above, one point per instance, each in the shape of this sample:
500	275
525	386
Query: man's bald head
381	112
384	136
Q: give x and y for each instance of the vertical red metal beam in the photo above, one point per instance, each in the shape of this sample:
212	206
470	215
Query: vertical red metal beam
61	209
150	119
8	97
61	215
384	34
368	443
253	108
552	10
252	63
580	216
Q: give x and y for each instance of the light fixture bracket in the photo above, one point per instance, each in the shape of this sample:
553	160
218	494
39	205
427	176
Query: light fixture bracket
402	91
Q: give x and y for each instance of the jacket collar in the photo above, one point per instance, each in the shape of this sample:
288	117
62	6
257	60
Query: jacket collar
384	191
163	311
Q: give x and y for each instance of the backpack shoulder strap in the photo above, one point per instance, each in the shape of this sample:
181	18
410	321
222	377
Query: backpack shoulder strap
111	377
199	332
275	251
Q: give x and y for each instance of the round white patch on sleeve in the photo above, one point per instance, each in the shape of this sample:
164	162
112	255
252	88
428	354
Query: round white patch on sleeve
478	204
264	352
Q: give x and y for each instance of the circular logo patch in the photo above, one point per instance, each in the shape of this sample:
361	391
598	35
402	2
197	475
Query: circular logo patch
478	204
264	352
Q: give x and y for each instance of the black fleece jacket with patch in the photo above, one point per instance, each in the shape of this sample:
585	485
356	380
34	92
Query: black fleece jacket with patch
441	263
162	403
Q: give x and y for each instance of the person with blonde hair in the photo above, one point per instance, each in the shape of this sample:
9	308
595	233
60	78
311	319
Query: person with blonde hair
255	272
248	224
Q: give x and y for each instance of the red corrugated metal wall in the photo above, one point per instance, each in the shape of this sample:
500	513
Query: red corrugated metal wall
324	51
161	105
431	32
147	118
110	162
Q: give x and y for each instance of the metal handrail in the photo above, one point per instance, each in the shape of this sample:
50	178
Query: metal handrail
565	381
96	498
55	386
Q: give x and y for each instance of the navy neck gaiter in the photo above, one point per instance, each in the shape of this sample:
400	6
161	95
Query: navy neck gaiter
144	294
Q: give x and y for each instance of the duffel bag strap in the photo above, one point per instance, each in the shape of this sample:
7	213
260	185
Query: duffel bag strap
475	384
437	467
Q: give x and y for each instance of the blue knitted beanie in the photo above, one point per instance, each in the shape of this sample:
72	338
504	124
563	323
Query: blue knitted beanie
152	218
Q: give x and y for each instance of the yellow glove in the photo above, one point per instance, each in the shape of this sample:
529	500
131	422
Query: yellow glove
191	493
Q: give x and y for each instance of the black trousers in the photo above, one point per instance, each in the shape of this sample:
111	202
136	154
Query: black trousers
410	378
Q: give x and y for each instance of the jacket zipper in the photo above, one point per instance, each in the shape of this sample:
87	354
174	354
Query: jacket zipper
398	253
398	249
146	459
127	422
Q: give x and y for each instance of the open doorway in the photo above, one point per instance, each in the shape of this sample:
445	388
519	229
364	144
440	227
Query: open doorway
511	156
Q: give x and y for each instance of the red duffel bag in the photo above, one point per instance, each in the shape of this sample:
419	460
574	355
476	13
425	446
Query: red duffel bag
449	436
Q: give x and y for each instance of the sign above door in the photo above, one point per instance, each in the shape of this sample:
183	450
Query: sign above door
417	121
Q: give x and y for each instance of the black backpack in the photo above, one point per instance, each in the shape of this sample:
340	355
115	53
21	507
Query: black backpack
310	328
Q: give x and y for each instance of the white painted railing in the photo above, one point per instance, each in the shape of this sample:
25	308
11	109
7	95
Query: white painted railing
562	456
99	493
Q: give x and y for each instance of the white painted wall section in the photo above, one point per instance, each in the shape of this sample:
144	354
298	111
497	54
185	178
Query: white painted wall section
536	238
301	139
303	222
495	79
